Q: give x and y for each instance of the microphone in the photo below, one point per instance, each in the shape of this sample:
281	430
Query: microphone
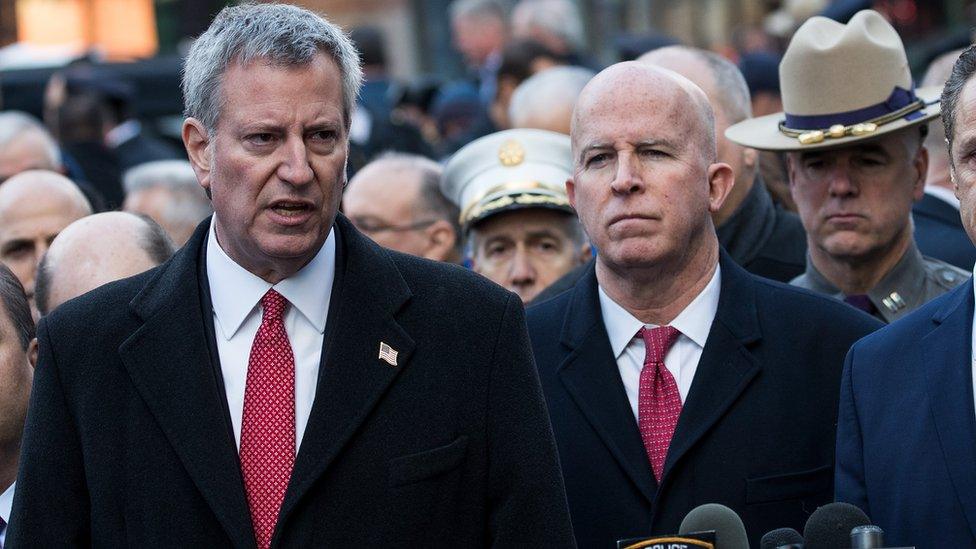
730	533
782	538
867	537
829	527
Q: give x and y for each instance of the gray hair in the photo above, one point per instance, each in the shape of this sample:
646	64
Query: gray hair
547	90
189	203
478	9
15	124
937	74
962	71
430	199
560	18
277	33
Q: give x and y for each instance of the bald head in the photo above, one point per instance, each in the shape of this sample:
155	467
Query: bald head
25	144
642	88
545	100
96	250
718	77
34	207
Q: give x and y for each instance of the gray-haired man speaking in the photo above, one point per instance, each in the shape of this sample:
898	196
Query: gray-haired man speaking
283	381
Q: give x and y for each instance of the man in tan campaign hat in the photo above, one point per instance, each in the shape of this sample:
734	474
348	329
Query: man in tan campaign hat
519	228
853	131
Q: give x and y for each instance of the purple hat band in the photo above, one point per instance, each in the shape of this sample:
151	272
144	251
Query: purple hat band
899	99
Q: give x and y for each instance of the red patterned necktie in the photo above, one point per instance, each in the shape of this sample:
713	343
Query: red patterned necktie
658	400
268	425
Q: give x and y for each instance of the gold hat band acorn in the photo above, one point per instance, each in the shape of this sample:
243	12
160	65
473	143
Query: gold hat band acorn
811	137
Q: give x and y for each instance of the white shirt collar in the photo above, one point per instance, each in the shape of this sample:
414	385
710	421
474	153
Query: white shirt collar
943	194
122	133
239	291
7	502
694	322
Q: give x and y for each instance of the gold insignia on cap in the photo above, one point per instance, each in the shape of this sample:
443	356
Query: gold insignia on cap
837	130
809	138
511	153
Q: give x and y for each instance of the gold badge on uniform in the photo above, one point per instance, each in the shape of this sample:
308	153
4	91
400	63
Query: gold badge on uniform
511	153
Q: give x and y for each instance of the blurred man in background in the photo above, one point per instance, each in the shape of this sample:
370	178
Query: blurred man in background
96	250
939	231
480	30
766	240
168	192
35	206
25	144
396	200
545	100
520	231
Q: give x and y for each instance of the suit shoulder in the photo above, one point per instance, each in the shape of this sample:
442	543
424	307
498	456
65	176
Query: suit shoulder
817	309
426	276
546	311
943	274
908	329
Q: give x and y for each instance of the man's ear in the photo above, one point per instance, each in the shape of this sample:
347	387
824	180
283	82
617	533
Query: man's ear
32	353
586	252
197	143
721	178
441	239
571	192
921	164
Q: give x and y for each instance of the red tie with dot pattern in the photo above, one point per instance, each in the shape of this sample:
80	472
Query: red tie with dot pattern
658	400
268	424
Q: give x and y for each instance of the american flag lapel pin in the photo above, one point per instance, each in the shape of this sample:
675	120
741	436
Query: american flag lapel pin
388	354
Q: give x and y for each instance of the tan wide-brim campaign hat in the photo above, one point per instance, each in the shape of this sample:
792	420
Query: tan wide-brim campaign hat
840	84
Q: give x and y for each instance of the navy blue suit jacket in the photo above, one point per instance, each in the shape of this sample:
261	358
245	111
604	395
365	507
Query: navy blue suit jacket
939	233
757	429
906	440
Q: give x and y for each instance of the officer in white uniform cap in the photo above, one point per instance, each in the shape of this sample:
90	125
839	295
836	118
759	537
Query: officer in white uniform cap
519	228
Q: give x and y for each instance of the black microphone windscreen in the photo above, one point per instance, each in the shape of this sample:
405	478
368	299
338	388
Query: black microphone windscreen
730	533
829	527
779	537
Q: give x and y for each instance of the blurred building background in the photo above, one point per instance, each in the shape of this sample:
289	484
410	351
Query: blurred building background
142	40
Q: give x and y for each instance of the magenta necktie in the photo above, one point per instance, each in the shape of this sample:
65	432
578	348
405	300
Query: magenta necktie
268	424
658	401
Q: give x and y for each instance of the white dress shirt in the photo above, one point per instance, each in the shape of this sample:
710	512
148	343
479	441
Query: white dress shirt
6	504
236	295
694	323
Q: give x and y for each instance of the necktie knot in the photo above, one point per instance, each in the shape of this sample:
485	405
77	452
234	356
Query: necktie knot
657	342
274	306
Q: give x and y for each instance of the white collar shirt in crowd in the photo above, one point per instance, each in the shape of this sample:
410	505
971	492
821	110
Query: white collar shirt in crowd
6	504
943	194
694	323
236	294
